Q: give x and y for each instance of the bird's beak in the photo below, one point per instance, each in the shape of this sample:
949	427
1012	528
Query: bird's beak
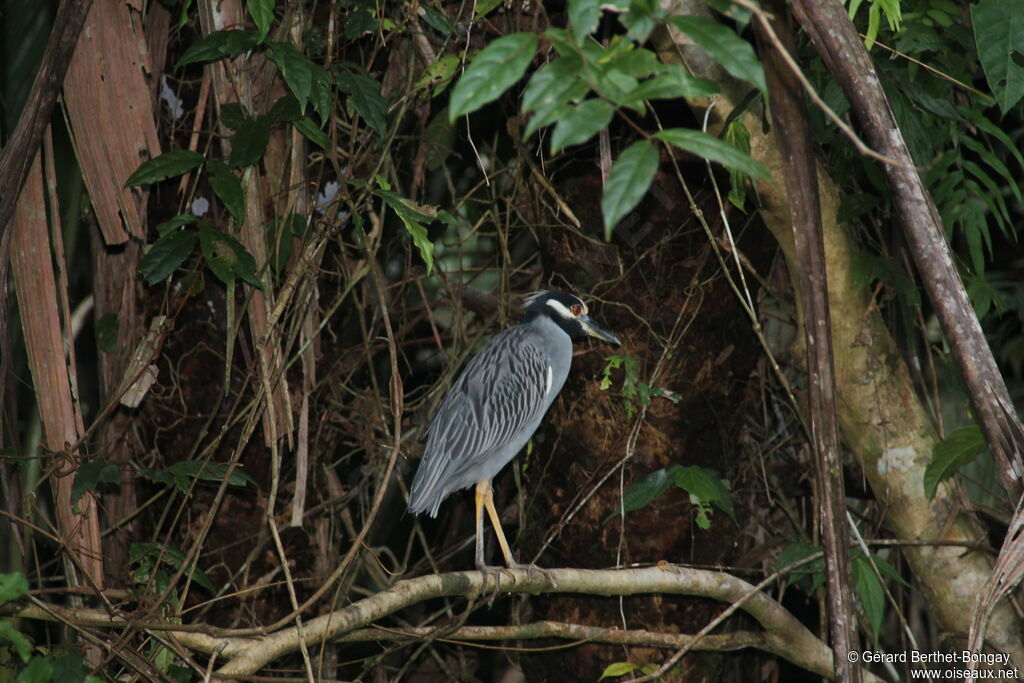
591	327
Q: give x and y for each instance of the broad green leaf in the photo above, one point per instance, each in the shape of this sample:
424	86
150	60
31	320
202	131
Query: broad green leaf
999	36
361	18
226	257
485	7
550	89
870	591
628	182
413	217
219	44
437	19
725	47
167	254
22	645
296	70
38	670
713	149
584	16
675	83
12	586
313	133
618	669
90	475
233	115
228	188
581	123
439	74
364	95
811	576
321	94
644	490
175	223
249	142
641	18
493	71
138	552
68	665
262	13
706	486
167	165
948	456
285	109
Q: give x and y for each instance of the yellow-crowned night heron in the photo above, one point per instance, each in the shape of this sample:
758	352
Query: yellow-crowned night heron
496	405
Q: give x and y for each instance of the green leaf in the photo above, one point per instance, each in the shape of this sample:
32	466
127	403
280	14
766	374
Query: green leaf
166	255
219	44
228	188
618	669
628	182
413	216
584	16
22	645
713	149
262	13
68	666
581	123
296	70
999	36
39	670
810	575
644	490
233	115
948	456
439	74
226	256
249	142
706	487
737	135
12	586
550	90
313	132
285	109
90	475
167	165
139	552
674	84
485	7
364	95
493	71
870	591
725	47
175	223
437	19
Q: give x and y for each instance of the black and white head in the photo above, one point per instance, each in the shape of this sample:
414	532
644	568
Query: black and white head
568	312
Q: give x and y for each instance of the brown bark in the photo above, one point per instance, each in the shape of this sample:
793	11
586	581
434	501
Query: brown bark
45	341
793	137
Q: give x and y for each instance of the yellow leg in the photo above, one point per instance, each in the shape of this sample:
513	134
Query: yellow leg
480	494
488	501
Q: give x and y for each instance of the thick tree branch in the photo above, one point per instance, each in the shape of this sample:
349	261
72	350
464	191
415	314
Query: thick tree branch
793	136
784	635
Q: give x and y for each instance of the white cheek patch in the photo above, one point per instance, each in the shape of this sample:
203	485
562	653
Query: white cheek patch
561	309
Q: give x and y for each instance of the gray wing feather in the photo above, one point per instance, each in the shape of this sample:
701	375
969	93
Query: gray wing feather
501	391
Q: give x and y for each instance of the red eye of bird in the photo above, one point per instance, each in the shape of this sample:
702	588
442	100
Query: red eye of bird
577	309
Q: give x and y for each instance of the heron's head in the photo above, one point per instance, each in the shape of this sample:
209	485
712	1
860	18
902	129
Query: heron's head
568	312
